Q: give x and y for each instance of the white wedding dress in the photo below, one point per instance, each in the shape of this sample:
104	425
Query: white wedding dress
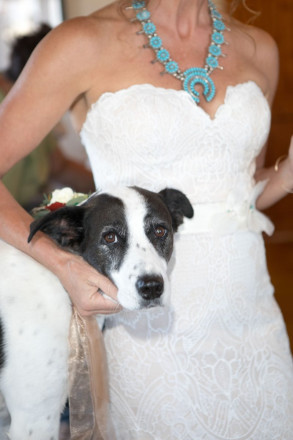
216	363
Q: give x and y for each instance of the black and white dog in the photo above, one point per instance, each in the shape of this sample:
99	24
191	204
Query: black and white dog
127	235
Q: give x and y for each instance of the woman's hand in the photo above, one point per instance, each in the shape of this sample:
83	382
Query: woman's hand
84	285
285	169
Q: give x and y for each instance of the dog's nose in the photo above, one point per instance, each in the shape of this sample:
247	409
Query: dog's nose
150	286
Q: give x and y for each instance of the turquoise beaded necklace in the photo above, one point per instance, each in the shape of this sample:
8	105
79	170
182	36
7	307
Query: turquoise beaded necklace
193	76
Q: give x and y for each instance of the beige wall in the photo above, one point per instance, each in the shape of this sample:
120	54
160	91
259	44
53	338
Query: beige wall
83	7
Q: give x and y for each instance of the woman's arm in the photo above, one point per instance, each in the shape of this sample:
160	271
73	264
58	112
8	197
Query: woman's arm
58	71
280	181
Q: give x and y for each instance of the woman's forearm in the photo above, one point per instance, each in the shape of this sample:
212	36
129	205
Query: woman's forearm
15	228
280	183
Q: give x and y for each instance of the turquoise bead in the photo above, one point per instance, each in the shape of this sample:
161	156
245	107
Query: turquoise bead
155	42
217	38
216	14
215	50
143	15
171	67
212	62
149	28
219	25
163	55
138	5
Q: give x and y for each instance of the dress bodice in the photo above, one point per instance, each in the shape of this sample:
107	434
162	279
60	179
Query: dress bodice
155	137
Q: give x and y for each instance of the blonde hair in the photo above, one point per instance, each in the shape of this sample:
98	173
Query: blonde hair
235	3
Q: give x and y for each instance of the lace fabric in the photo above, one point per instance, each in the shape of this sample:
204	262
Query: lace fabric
158	137
215	363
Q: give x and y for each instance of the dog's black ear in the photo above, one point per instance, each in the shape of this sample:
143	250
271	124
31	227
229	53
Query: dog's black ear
65	226
178	205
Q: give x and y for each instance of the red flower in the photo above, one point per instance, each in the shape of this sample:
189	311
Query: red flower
55	206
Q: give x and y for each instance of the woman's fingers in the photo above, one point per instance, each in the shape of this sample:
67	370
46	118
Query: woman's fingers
90	291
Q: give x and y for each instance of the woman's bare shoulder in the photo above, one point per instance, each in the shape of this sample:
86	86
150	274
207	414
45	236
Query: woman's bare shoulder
81	35
260	50
255	41
74	51
266	46
266	57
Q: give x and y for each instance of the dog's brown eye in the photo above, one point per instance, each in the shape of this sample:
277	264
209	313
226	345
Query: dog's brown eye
160	231
110	237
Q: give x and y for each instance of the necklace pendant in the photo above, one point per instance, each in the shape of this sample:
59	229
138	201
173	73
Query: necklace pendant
198	76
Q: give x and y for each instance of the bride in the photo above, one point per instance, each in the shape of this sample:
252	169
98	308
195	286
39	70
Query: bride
215	363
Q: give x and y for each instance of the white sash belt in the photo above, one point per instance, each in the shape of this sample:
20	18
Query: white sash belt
236	213
216	218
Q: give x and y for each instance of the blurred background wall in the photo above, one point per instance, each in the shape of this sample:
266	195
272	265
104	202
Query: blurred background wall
73	8
19	17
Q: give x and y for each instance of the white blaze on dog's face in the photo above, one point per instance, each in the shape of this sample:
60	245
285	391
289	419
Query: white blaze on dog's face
141	277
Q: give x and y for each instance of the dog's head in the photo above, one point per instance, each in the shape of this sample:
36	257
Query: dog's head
127	235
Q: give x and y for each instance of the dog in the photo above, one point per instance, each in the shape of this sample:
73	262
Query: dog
127	235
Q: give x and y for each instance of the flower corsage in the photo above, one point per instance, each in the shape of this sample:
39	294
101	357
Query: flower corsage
58	199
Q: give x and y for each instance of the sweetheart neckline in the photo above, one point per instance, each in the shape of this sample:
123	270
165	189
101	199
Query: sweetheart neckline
229	88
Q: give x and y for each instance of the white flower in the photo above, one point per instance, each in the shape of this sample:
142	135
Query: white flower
256	220
240	211
63	195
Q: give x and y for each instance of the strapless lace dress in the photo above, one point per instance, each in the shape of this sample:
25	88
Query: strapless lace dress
215	363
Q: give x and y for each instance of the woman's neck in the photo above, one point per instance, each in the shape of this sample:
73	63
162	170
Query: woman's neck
184	16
